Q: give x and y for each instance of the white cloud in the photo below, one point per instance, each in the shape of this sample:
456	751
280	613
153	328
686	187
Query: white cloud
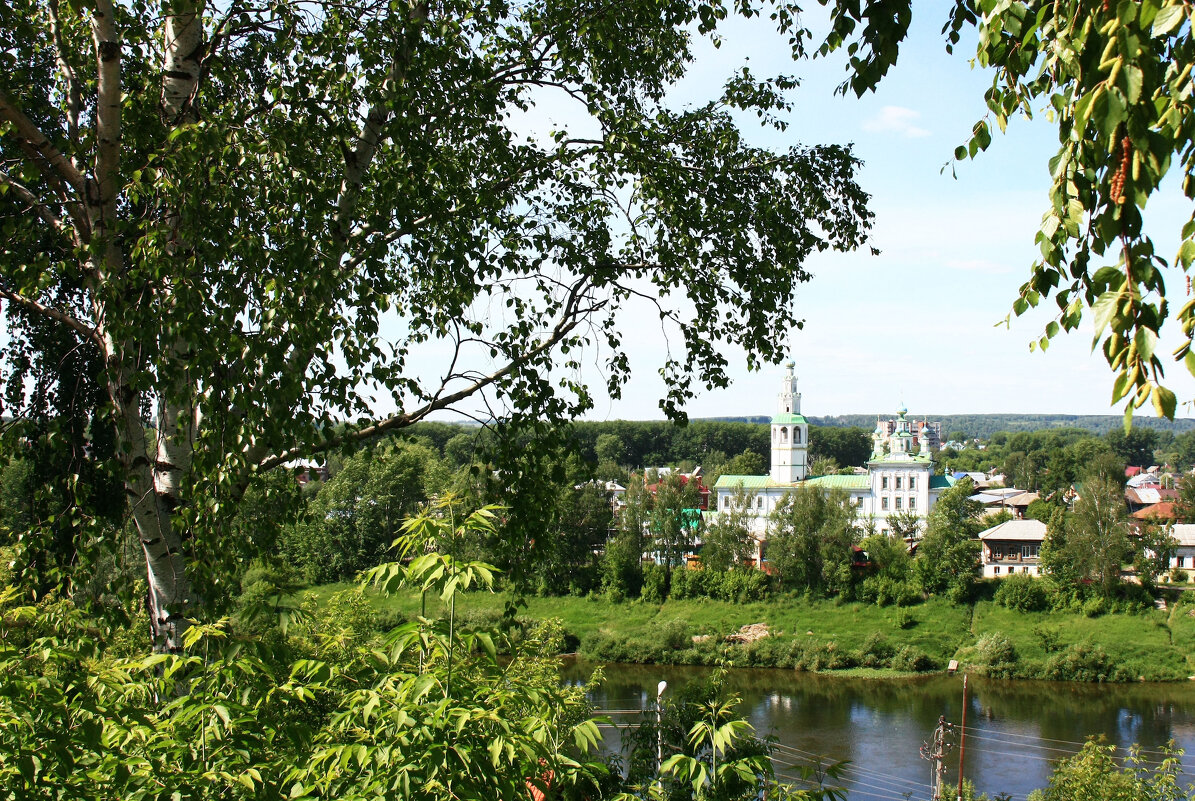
898	120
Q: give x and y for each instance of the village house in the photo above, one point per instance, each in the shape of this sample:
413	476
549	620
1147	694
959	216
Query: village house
1013	546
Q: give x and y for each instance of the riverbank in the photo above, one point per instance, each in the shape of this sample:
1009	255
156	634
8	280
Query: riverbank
821	635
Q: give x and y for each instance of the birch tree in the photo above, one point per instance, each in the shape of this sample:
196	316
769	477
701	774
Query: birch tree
263	217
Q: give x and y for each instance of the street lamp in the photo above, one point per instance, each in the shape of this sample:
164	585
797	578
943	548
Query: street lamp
663	685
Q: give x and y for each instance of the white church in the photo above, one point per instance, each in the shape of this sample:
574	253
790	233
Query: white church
899	479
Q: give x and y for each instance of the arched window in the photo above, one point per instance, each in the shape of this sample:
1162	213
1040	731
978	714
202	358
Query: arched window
797	436
784	436
759	503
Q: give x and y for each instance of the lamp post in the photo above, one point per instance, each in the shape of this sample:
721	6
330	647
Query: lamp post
660	723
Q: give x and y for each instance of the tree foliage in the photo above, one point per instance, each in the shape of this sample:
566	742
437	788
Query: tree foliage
1116	79
269	214
810	539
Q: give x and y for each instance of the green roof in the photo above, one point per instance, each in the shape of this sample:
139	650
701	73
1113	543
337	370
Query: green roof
941	482
907	458
750	483
789	419
747	482
851	482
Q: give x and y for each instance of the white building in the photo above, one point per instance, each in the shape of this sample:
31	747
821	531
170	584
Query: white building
899	478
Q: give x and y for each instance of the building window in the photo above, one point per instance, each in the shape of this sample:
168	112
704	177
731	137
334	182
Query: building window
884	504
898	500
996	570
912	502
1028	551
1180	561
898	482
759	503
784	435
797	436
725	501
912	485
884	482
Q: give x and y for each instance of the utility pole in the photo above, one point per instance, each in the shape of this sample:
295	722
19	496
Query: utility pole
936	752
962	740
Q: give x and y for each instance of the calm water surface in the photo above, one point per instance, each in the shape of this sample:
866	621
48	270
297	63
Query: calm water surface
1015	729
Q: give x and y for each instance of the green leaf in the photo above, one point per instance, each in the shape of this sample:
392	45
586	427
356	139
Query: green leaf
1168	18
1164	402
1103	310
1145	339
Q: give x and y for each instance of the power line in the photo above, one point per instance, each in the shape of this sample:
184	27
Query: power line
851	773
851	768
1055	740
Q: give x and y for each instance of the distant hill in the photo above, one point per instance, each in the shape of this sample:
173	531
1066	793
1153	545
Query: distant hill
984	425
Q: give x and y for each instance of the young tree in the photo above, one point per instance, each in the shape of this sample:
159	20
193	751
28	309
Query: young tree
675	520
272	212
948	555
1092	543
727	541
810	541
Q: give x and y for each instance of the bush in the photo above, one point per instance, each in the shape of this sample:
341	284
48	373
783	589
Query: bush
674	635
883	590
1022	593
1084	662
744	586
1094	607
876	651
996	654
1179	576
910	659
655	584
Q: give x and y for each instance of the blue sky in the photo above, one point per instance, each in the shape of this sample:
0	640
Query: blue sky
916	324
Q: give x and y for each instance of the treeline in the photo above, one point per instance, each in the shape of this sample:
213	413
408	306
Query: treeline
983	426
1051	460
639	445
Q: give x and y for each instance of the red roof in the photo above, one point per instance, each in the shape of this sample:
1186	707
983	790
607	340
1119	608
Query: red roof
1129	472
1159	511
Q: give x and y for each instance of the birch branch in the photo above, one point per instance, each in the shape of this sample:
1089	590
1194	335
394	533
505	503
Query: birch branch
41	145
570	317
51	313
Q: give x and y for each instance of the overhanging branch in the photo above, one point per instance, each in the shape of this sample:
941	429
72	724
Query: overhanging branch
572	315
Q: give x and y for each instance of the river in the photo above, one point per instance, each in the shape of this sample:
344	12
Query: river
1014	728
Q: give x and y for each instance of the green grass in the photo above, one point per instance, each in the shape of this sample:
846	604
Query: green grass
1154	644
1141	642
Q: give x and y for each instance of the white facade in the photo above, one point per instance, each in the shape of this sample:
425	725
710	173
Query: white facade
899	477
790	433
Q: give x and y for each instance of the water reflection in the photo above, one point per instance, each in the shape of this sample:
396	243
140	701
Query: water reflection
1015	729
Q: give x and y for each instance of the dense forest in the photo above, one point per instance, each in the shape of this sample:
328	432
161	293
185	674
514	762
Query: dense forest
982	426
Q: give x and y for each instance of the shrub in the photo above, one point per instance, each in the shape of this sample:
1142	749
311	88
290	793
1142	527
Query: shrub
1094	607
683	583
910	659
1022	593
996	654
1179	576
674	635
883	590
743	586
1084	662
655	584
876	651
1048	636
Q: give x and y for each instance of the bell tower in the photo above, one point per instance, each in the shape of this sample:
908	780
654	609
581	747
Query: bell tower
790	433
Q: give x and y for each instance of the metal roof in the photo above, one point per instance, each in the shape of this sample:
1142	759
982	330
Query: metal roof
1022	530
789	419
